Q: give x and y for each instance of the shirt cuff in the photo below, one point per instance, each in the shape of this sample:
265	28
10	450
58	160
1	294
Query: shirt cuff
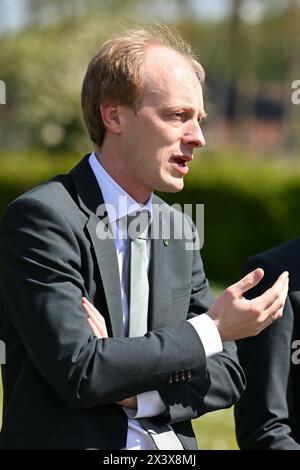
148	404
208	334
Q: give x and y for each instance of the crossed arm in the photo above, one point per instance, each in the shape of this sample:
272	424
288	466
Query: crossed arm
41	284
98	326
234	316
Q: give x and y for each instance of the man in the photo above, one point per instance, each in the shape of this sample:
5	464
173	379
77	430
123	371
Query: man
267	415
65	387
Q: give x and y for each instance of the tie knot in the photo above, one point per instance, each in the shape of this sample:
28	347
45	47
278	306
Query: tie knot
138	224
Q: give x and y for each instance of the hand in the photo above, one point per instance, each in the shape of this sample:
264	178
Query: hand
237	317
129	402
98	326
95	319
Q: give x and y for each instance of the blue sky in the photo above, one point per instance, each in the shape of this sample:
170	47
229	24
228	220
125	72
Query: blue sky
11	14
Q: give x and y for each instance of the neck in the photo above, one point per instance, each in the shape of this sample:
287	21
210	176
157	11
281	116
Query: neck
114	168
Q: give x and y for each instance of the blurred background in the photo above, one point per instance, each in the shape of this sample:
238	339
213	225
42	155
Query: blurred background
248	176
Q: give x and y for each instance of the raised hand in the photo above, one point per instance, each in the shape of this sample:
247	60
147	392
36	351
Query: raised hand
237	317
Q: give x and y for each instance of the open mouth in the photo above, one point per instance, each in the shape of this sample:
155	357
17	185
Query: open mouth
180	161
181	164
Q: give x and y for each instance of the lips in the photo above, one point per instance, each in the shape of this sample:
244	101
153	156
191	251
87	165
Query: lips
180	162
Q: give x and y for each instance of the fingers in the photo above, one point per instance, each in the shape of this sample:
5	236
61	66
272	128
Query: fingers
237	317
276	294
275	309
247	282
94	328
271	303
91	308
95	319
129	402
272	318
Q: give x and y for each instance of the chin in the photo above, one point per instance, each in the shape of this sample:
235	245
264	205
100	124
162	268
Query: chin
173	186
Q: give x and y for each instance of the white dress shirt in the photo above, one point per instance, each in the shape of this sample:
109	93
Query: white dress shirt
119	204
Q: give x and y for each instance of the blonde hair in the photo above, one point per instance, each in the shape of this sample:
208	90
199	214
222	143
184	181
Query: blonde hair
115	72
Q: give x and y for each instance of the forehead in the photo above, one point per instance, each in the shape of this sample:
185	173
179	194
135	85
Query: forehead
169	77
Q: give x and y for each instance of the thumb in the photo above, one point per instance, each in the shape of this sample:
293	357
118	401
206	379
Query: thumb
249	281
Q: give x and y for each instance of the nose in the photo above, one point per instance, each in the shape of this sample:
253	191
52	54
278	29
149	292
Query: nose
193	135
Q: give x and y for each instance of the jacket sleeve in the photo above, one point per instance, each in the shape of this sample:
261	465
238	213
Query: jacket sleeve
264	414
225	377
41	287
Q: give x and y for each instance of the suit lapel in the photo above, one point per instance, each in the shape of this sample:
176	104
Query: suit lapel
90	198
106	256
160	304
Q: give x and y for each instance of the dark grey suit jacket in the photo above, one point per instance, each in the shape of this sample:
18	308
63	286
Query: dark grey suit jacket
61	383
268	414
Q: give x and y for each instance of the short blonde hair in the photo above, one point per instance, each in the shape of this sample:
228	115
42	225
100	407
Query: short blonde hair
115	73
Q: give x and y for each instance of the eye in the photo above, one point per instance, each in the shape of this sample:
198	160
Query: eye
178	114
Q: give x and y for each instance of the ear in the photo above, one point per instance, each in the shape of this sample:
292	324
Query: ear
110	117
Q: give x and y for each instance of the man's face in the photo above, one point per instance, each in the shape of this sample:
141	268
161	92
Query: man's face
157	141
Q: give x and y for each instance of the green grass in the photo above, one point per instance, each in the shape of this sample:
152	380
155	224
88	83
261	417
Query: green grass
215	431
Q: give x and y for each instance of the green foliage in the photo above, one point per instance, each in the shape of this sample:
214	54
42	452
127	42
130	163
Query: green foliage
275	38
250	206
43	65
19	173
44	69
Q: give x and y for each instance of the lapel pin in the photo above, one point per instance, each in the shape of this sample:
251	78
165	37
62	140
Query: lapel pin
166	242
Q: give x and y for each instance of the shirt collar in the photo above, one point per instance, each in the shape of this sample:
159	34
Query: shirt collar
117	201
